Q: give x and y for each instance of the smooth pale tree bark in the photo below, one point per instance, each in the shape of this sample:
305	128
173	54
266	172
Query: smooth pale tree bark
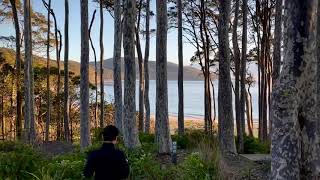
18	69
295	147
130	129
59	129
236	54
162	130
117	84
29	126
225	114
276	52
48	117
141	72
243	69
66	73
101	67
84	77
146	69
180	72
95	69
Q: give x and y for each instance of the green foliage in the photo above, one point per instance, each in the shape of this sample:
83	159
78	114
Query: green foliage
97	135
18	160
254	146
182	141
146	138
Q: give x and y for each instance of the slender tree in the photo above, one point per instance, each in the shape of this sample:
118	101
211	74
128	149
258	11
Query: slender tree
48	117
146	69
117	84
180	72
66	72
84	78
141	70
162	129
225	114
295	127
29	126
95	68
236	56
130	130
101	67
243	69
18	69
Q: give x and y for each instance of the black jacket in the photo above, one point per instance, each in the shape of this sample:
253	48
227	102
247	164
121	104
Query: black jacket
107	163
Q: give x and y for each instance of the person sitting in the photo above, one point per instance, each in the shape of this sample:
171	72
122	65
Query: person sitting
107	163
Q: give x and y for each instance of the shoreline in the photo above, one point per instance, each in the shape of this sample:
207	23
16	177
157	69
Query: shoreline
196	123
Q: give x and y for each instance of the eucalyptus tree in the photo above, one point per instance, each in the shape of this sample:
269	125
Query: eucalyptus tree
14	5
180	72
66	101
84	77
225	113
243	73
295	151
117	84
162	129
130	130
29	125
101	66
146	68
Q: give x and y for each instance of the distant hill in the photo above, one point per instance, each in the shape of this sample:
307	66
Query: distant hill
9	56
190	73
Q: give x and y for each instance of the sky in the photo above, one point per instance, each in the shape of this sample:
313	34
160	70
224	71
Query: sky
74	32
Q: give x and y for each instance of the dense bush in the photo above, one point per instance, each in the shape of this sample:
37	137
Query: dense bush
19	161
253	146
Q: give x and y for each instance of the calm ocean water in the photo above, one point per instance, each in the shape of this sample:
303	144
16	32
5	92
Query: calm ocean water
193	97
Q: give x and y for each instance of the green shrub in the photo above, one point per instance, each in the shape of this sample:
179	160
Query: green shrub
193	168
146	138
182	141
253	146
18	160
97	135
66	169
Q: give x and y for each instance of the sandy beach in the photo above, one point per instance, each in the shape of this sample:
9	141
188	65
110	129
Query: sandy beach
192	122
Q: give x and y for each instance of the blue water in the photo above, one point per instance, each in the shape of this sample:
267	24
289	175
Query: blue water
193	97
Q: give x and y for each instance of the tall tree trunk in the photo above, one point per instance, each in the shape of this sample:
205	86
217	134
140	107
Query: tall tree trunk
180	72
48	117
146	68
66	72
101	67
295	147
243	69
276	51
59	77
18	69
95	69
225	130
28	75
84	79
162	129
117	83
130	129
236	54
141	71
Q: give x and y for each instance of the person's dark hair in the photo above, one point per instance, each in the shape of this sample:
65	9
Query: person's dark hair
110	133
